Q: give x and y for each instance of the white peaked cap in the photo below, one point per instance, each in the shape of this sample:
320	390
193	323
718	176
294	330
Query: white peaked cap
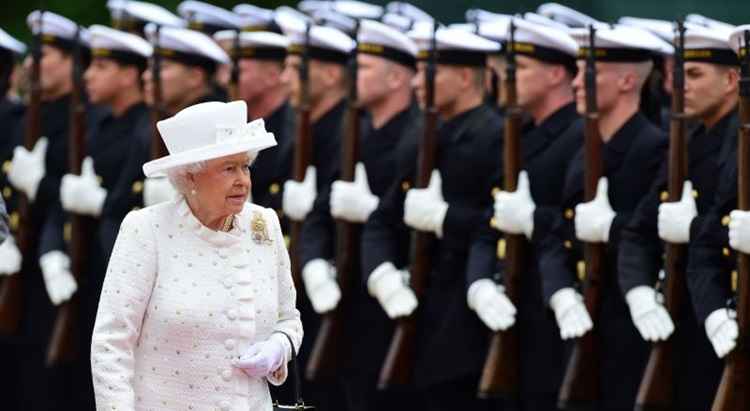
253	16
544	36
479	15
320	36
495	30
143	11
662	28
702	37
379	39
544	21
332	18
452	39
8	42
623	37
55	27
708	22
254	38
566	15
187	41
408	10
351	8
208	131
103	37
204	13
737	39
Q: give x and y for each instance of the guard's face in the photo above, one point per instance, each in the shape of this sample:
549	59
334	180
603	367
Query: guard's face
55	72
319	79
257	77
705	85
105	78
496	65
532	81
371	79
173	76
448	85
223	186
290	76
607	91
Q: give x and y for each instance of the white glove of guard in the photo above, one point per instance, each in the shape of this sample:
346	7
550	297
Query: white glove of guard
27	168
299	197
321	286
572	317
594	218
353	201
10	257
722	330
491	304
83	194
649	316
390	286
157	190
58	280
425	208
739	231
514	211
262	358
675	218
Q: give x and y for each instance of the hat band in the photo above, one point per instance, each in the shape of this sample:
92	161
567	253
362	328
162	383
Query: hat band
121	56
59	42
545	54
128	24
187	58
207	28
455	57
320	53
617	55
711	55
261	53
390	53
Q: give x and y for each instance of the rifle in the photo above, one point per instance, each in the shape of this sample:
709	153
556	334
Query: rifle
734	390
158	149
330	341
234	78
656	391
63	347
399	361
302	154
501	373
11	287
580	386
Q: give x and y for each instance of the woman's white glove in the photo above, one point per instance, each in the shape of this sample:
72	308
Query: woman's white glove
491	304
10	257
649	316
425	208
390	287
27	168
514	211
570	312
594	218
722	330
675	218
58	280
82	194
262	358
299	197
321	286
157	190
353	201
739	231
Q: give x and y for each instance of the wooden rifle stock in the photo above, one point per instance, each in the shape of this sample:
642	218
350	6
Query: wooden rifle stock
656	391
331	343
501	372
580	386
734	390
399	361
234	78
63	345
158	149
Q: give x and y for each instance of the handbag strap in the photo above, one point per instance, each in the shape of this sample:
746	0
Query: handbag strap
294	371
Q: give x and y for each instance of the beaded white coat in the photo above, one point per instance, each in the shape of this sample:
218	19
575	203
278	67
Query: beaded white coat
180	302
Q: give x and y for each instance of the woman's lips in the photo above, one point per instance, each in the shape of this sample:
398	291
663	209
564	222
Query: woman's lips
237	198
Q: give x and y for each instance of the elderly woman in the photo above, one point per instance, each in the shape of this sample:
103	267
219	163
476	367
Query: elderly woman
197	310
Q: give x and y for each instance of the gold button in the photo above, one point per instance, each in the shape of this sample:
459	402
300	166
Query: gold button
725	251
493	222
567	244
664	196
7	192
501	249
695	193
569	213
734	280
405	186
581	270
274	188
67	232
138	187
725	220
495	190
99	180
287	241
14	221
6	167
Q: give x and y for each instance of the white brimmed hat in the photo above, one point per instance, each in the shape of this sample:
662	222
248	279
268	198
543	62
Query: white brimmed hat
10	43
737	40
208	18
207	131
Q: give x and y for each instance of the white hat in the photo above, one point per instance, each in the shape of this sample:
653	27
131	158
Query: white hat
495	30
480	15
709	45
351	8
544	21
708	22
662	28
621	43
325	43
545	43
8	42
207	131
384	41
737	39
118	45
257	45
566	15
254	18
207	17
454	46
332	18
402	15
187	46
134	15
56	30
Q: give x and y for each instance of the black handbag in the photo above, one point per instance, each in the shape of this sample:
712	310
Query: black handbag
296	383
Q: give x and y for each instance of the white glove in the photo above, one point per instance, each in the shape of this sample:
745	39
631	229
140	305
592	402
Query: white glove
424	208
594	218
572	317
27	168
739	231
675	218
390	286
353	201
157	190
514	211
722	330
58	280
493	307
262	358
298	197
649	316
319	277
10	257
83	194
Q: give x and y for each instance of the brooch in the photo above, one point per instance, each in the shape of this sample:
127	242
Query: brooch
259	229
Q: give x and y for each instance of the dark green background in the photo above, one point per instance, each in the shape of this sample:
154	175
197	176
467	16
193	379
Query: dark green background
14	13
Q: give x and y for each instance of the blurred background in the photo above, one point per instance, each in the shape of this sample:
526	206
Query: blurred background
89	12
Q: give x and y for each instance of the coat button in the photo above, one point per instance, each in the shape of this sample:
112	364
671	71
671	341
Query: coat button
226	375
274	188
725	220
224	405
495	191
405	186
227	284
232	314
581	270
664	196
501	249
6	166
567	244
569	214
7	192
726	252
137	187
229	344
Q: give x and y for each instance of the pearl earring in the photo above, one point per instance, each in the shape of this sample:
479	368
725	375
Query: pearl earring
193	192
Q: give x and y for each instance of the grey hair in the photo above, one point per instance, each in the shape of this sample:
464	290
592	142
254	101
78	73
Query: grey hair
178	176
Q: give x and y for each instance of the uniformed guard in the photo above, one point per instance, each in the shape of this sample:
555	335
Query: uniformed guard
546	61
632	151
451	341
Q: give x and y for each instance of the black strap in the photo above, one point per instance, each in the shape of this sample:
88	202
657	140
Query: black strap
293	371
